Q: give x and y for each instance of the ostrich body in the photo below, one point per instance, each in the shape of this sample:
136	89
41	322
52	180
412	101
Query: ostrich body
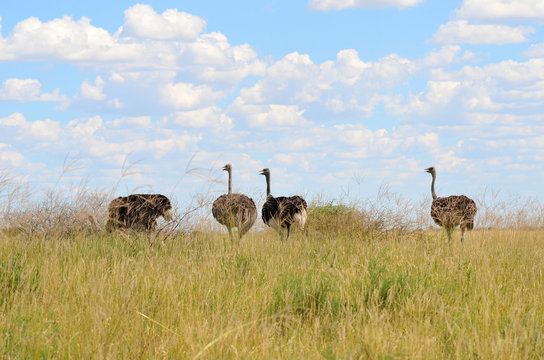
281	212
452	211
234	210
138	211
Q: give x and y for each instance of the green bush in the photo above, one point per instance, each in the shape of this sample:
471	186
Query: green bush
333	219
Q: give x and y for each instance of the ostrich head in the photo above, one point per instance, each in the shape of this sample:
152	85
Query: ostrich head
431	170
265	172
164	207
227	167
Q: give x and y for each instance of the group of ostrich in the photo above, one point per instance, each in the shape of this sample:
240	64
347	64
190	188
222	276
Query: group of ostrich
141	211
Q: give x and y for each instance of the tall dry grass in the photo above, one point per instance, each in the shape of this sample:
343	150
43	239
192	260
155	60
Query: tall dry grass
353	295
367	279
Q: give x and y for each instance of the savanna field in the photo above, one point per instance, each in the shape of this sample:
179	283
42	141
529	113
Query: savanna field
359	283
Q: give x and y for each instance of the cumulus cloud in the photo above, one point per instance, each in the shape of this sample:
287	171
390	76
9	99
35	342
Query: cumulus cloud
24	90
108	140
347	84
45	129
155	64
270	116
40	129
446	55
309	80
85	129
63	39
462	32
214	49
171	41
93	91
142	21
327	5
395	152
211	117
188	96
535	51
138	121
10	158
16	119
497	100
439	94
502	10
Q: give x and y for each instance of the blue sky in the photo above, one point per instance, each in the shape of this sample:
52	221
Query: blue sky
334	96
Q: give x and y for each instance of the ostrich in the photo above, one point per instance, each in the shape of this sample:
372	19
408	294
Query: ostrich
234	210
138	211
281	212
452	211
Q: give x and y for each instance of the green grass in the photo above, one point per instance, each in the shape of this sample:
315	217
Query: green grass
368	294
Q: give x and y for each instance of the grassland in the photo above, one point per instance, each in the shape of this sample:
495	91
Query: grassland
342	291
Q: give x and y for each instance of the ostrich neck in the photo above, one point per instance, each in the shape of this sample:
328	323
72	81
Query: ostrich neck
267	184
432	186
230	181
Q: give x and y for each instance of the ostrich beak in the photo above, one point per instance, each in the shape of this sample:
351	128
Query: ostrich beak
261	172
428	170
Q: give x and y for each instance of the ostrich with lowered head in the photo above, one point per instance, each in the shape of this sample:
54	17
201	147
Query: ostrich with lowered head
234	210
452	211
281	212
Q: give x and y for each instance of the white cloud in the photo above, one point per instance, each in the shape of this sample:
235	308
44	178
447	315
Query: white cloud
39	129
179	143
211	58
107	141
154	143
16	119
297	160
364	142
297	79
535	51
82	128
439	94
154	64
326	5
211	117
171	42
392	151
497	100
12	158
45	129
348	67
278	115
93	92
449	161
444	56
63	39
461	32
347	85
502	10
271	116
26	90
143	121
211	49
188	96
142	21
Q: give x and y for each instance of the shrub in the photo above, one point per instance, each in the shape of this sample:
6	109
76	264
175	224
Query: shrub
332	219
